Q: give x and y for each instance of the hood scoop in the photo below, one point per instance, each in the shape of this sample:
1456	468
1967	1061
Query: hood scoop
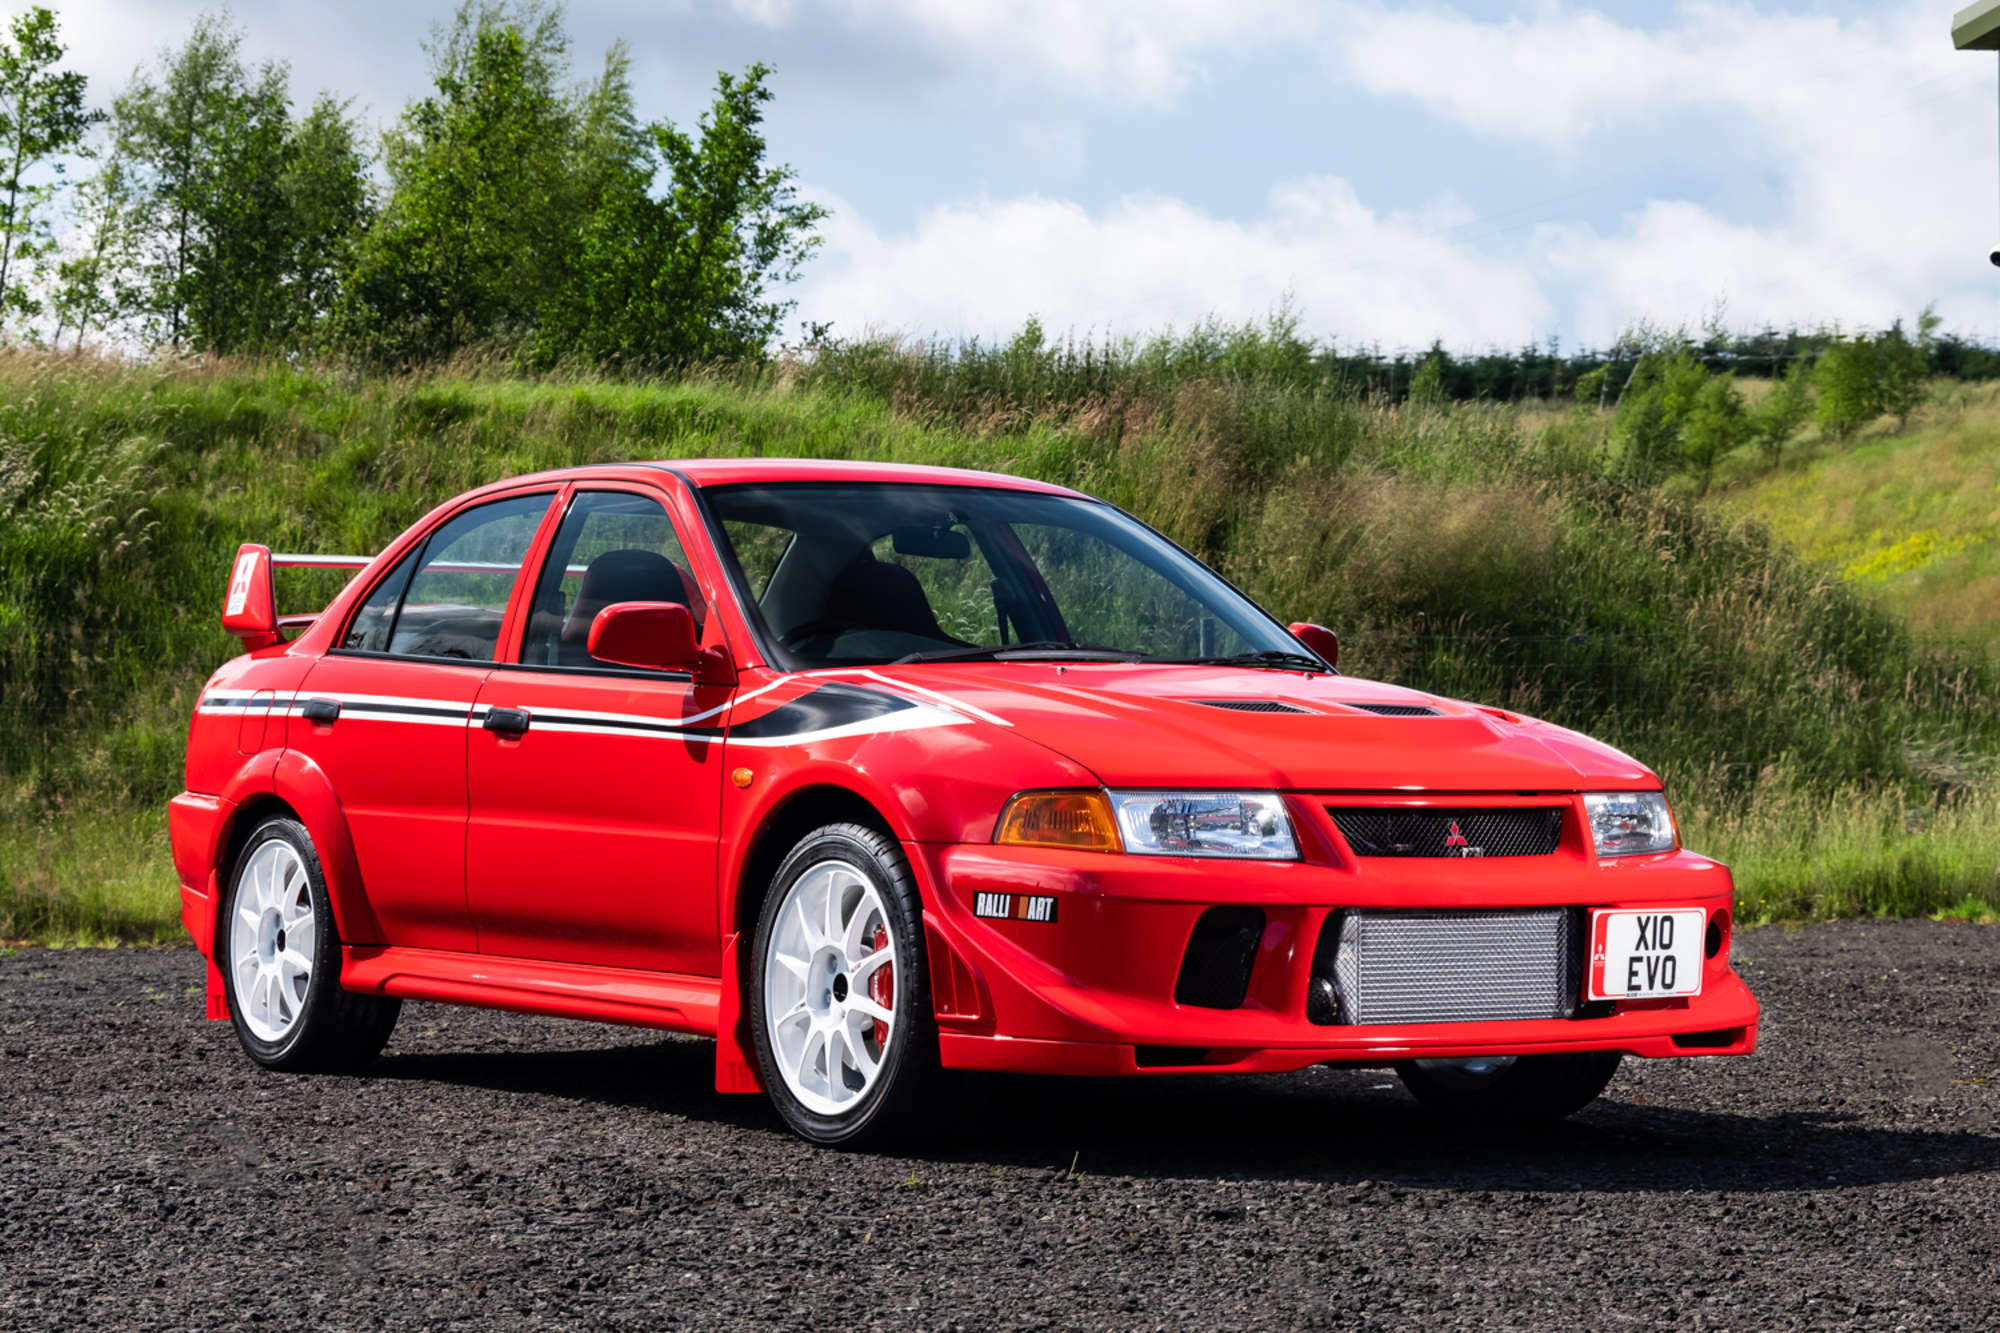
1253	705
1395	710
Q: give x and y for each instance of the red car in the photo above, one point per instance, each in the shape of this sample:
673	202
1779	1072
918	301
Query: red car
872	772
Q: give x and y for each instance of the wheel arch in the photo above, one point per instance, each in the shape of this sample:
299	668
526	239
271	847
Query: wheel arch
302	789
799	813
768	838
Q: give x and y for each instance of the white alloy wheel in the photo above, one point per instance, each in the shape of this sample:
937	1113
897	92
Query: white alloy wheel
829	987
273	936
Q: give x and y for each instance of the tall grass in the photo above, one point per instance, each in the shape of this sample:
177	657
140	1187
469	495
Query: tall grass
1478	550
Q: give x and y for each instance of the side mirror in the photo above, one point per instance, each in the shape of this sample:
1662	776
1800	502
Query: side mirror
1318	638
656	636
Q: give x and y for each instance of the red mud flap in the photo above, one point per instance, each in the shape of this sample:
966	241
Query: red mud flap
735	1069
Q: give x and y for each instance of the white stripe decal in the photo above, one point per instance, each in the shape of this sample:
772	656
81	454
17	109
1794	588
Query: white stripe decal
948	700
450	713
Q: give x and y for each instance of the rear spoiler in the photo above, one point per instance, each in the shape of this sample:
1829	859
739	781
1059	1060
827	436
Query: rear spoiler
250	610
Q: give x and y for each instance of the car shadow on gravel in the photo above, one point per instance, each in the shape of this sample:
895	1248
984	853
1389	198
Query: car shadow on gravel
1327	1125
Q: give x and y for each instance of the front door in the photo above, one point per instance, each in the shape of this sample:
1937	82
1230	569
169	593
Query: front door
385	715
595	789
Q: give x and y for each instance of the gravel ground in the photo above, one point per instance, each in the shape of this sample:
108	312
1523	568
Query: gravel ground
498	1171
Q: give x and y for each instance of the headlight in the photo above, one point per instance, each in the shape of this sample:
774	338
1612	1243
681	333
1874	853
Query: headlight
1629	823
1245	824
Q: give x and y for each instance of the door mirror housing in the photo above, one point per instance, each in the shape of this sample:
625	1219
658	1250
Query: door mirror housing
1318	638
656	636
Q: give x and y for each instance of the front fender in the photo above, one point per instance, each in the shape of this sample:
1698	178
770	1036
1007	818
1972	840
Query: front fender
938	785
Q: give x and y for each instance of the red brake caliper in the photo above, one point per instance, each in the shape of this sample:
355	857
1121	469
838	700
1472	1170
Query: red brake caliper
882	987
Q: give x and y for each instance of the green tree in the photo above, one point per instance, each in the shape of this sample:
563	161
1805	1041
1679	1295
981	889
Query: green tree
1427	385
1904	365
93	281
1786	408
1849	379
1717	424
165	125
1654	408
248	219
328	208
42	120
687	275
477	230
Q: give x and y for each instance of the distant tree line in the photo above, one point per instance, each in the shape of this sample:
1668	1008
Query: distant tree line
1548	373
507	208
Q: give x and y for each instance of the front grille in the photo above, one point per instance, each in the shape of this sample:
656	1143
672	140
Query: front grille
1398	710
1507	831
1449	967
1252	705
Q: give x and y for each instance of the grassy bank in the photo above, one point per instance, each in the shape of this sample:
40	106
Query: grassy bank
1911	521
1842	765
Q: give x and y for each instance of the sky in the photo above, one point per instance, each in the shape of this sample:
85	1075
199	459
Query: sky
1480	174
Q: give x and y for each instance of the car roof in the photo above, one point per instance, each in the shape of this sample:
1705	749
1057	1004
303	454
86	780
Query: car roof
739	471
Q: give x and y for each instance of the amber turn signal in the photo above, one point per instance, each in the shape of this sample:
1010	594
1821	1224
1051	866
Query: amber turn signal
1080	819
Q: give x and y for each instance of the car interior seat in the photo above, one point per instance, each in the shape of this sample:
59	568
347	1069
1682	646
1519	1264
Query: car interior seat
625	575
874	594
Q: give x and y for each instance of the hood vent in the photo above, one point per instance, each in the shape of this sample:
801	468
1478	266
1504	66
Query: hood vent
1397	710
1252	705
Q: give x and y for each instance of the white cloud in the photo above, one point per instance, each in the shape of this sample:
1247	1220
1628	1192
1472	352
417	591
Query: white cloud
1878	137
1141	50
1880	134
1147	262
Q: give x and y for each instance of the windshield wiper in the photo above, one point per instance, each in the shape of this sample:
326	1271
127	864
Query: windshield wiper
1040	650
1269	659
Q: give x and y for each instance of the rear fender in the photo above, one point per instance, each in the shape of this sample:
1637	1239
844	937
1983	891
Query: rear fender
305	787
281	782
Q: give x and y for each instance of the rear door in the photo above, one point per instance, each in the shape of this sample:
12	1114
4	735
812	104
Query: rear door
385	714
595	806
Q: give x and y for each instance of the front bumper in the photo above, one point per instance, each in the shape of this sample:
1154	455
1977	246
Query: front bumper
1093	990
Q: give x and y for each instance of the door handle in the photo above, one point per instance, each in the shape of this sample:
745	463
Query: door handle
506	721
322	711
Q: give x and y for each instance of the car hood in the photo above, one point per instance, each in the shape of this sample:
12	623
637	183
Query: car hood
1153	725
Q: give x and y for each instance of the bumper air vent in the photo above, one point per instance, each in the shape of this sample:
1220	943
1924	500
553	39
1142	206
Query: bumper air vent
1504	831
1322	997
1252	705
1448	967
1215	971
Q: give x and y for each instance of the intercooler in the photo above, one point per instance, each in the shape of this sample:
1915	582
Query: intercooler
1448	967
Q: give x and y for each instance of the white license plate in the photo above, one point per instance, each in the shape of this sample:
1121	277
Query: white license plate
1645	955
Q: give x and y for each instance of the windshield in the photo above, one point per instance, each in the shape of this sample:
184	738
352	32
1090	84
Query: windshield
854	574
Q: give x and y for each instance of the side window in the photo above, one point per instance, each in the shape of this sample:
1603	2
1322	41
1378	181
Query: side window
368	632
458	596
613	546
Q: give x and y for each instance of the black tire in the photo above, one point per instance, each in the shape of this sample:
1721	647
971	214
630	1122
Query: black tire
893	1107
1534	1090
334	1029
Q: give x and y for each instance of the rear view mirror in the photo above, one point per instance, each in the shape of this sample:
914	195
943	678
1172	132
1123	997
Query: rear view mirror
1318	638
940	543
656	636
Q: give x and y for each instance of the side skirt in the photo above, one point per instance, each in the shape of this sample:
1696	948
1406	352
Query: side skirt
527	986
